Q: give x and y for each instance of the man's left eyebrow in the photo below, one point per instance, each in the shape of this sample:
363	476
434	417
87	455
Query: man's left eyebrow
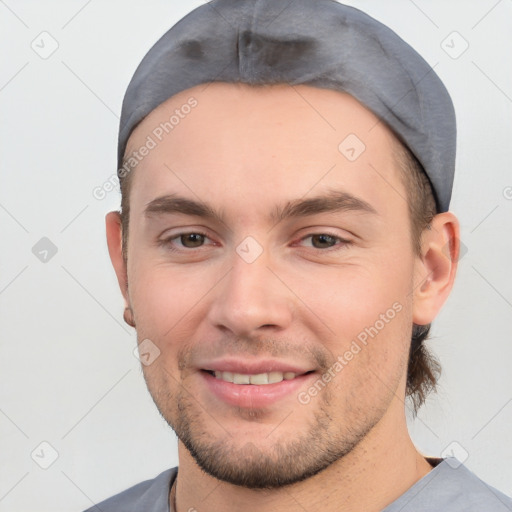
334	201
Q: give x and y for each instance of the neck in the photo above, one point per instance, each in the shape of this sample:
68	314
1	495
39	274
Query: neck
374	474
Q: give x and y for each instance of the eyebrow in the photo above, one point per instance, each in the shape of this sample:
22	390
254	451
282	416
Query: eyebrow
333	201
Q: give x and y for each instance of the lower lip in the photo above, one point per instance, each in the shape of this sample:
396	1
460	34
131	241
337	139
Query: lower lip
253	396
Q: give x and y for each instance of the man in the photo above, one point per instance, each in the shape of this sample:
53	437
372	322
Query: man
283	245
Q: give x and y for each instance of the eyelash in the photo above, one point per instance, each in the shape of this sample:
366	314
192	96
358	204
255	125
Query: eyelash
167	242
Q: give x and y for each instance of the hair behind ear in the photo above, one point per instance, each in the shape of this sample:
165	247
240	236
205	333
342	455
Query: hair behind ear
423	370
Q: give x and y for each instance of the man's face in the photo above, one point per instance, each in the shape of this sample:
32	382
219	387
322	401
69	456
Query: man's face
249	291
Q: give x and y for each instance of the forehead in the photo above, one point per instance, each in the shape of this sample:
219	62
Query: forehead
258	144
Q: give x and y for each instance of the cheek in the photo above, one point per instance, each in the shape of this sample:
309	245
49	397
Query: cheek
354	297
166	300
368	313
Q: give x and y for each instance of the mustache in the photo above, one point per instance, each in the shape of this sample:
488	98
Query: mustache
314	353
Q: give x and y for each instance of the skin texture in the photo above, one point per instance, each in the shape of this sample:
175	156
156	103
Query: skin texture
303	300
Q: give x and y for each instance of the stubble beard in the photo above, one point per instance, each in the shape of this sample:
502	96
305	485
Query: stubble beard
314	446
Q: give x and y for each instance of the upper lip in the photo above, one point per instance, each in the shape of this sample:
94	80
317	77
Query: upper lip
253	367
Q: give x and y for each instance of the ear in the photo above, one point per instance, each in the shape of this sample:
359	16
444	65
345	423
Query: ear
115	250
436	267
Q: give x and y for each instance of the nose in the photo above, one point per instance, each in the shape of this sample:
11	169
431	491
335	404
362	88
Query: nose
251	297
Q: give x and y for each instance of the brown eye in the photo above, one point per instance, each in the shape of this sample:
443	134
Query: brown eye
192	240
323	241
183	241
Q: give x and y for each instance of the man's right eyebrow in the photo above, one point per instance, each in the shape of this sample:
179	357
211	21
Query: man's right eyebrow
174	203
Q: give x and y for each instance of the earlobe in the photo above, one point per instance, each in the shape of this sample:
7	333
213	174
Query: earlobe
115	249
436	267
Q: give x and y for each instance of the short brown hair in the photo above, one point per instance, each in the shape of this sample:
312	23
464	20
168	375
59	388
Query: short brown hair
423	369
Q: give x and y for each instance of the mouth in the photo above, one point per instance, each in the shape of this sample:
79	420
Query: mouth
256	390
258	379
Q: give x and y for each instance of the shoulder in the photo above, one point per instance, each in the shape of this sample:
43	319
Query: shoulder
451	486
470	493
148	496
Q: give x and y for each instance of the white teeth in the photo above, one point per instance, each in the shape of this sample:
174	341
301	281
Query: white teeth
261	378
274	377
227	376
239	378
258	379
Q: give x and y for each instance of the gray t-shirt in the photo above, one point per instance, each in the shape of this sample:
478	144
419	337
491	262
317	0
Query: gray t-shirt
449	487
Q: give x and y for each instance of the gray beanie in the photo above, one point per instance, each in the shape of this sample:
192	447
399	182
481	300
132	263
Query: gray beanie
321	43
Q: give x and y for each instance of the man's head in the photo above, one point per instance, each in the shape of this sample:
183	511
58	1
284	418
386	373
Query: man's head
262	284
280	230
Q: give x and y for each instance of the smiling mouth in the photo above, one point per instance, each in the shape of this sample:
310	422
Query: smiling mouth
255	379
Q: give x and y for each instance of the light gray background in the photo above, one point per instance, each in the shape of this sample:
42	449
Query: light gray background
69	376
